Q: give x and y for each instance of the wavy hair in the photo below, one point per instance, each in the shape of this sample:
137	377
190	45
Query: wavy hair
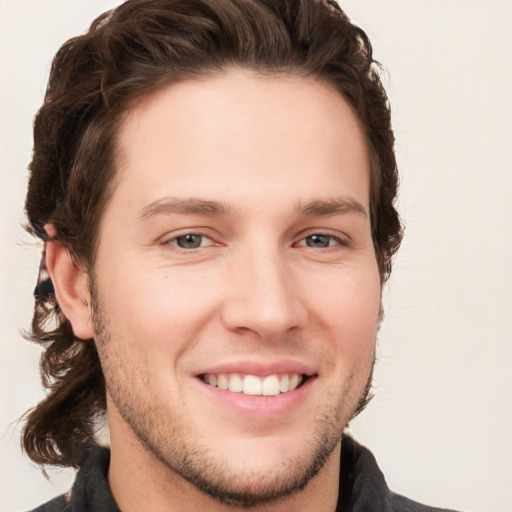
128	53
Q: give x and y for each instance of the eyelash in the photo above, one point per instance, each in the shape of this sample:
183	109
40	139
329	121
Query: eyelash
174	240
303	242
337	239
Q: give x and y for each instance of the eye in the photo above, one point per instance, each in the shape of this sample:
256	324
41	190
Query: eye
320	241
191	241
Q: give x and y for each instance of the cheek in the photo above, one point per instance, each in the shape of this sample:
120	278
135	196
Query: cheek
158	305
350	309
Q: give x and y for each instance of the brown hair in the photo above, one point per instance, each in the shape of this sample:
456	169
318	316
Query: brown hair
128	53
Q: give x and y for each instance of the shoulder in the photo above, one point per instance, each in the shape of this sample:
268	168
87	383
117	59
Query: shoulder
363	486
401	504
59	504
90	491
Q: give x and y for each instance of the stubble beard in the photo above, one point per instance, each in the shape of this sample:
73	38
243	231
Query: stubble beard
170	443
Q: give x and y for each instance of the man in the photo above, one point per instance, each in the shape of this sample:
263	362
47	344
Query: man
214	183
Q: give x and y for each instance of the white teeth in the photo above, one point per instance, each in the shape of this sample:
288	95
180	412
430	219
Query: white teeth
252	385
294	382
235	384
284	385
271	385
222	382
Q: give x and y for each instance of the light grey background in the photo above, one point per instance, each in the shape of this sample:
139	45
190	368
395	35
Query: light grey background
440	425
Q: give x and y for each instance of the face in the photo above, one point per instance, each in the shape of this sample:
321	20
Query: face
236	287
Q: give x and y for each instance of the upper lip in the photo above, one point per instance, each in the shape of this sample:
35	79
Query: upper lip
259	369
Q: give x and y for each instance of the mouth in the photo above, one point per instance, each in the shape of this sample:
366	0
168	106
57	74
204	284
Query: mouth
252	385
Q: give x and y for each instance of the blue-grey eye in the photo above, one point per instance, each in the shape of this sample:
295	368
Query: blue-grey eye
319	241
189	241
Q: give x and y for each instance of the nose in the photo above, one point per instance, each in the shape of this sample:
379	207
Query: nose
263	298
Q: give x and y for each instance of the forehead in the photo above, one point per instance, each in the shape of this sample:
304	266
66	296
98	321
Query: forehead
237	132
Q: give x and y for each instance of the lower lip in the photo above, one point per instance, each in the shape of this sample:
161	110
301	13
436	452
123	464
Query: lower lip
261	407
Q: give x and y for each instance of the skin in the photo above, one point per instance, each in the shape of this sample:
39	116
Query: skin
281	159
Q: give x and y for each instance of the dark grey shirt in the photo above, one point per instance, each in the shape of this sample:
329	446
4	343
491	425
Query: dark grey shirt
362	485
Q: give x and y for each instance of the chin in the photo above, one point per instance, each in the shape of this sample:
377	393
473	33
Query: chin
255	480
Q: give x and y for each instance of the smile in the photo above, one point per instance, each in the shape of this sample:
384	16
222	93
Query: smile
270	385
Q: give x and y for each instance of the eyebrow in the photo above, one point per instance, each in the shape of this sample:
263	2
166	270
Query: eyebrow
190	206
198	206
332	206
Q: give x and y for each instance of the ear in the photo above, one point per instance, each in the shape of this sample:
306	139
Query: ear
70	282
